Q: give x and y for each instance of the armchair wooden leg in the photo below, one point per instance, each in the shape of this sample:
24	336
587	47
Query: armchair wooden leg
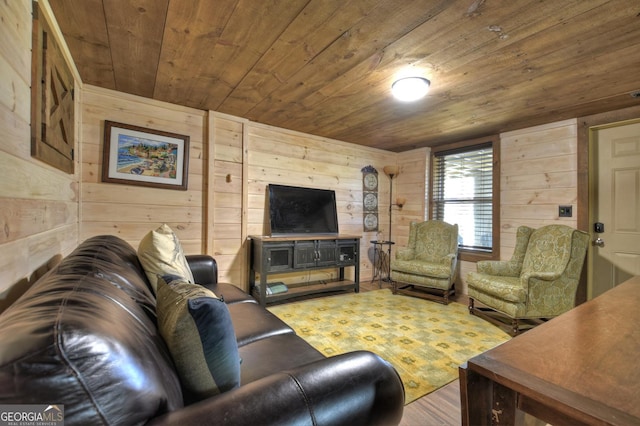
509	325
515	327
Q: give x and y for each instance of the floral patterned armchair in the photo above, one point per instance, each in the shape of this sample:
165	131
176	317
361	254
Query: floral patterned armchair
538	283
428	262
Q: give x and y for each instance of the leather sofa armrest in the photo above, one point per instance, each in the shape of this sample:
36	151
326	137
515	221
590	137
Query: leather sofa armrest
357	388
204	268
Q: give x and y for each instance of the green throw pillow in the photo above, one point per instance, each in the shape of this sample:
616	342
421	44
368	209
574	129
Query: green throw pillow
197	328
160	253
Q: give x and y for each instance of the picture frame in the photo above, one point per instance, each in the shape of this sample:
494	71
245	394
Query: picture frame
134	155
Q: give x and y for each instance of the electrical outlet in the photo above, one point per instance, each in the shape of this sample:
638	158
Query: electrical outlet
565	211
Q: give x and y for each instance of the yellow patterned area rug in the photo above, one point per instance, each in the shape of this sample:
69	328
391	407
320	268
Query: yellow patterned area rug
425	341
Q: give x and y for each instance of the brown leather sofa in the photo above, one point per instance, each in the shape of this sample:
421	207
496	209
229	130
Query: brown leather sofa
85	337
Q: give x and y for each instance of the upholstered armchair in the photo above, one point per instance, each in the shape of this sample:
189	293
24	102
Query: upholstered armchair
539	282
427	266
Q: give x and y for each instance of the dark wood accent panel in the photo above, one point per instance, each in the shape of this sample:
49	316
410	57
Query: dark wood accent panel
52	99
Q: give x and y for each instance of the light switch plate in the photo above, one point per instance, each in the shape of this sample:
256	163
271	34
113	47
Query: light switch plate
565	211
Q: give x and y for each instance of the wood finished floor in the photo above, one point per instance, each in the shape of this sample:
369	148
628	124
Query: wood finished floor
439	408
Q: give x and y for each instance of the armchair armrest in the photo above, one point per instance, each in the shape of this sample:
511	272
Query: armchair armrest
449	259
505	268
204	268
357	388
452	260
546	276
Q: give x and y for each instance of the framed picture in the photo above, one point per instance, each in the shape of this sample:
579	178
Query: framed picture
135	155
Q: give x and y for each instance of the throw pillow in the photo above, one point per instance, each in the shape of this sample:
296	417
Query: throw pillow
197	328
160	253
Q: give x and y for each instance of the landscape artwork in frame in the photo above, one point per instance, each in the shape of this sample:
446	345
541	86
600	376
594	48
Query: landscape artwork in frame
139	156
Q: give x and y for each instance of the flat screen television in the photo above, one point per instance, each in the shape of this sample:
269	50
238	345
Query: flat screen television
296	210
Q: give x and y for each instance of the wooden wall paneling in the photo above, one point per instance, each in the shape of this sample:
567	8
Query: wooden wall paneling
18	52
209	189
132	109
227	197
410	184
14	92
38	203
23	218
13	128
129	210
134	231
23	261
34	180
130	194
246	252
538	174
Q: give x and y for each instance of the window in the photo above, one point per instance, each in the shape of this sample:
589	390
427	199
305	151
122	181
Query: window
465	190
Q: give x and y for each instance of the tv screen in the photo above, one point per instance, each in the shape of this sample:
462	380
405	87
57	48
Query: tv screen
297	210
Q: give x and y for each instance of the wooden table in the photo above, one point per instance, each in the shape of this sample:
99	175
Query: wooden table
579	368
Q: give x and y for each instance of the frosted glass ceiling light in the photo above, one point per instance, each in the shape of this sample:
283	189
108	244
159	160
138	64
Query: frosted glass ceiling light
409	89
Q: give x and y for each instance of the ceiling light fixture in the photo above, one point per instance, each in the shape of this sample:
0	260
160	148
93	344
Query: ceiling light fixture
410	89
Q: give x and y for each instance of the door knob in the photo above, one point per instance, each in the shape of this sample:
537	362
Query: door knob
598	242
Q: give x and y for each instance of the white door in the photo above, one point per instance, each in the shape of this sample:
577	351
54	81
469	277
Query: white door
615	251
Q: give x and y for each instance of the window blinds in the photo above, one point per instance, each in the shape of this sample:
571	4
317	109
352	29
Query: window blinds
463	194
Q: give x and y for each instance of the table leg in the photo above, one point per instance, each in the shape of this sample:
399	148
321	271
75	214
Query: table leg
485	402
375	263
383	267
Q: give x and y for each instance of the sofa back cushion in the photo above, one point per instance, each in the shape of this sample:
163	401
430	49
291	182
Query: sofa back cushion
84	337
197	328
160	253
548	250
435	240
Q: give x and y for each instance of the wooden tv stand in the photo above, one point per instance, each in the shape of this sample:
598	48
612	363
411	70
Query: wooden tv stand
280	255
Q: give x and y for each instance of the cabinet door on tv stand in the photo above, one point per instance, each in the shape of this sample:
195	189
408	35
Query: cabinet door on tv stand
327	253
304	255
279	257
347	253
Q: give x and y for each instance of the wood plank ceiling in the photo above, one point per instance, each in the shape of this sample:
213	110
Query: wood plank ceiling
325	67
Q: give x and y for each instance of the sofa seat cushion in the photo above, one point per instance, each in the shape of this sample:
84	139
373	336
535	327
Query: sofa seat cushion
421	267
504	288
253	322
197	328
261	358
230	293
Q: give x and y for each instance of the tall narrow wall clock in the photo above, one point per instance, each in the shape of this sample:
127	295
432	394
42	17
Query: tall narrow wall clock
370	198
